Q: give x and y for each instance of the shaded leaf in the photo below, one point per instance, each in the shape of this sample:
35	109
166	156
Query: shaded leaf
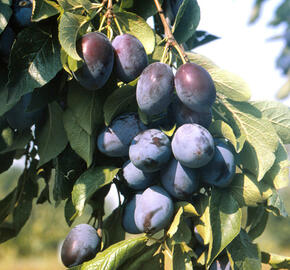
5	14
43	9
275	205
276	261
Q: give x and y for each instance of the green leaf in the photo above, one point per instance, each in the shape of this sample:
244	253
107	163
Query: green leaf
181	258
243	254
261	140
121	100
226	83
88	183
43	9
137	26
69	212
6	161
188	17
278	115
247	191
69	27
114	256
5	14
220	129
35	60
7	205
225	220
51	138
259	218
275	205
276	261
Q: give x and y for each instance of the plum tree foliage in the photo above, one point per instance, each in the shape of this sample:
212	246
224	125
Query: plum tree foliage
95	96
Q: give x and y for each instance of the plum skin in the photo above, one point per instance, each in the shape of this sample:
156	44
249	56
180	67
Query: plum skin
155	88
192	145
130	57
80	245
154	210
19	118
221	169
114	140
150	150
195	87
179	181
136	178
22	11
128	221
98	55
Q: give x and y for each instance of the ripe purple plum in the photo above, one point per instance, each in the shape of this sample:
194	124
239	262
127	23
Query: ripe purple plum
221	169
154	210
80	245
131	57
114	140
128	221
179	181
192	145
98	55
137	179
183	115
22	11
150	150
155	88
195	87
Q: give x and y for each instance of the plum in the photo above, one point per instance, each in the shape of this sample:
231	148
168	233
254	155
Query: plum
154	210
98	55
130	57
137	179
6	41
128	221
19	118
183	115
155	88
195	87
192	145
221	169
80	245
179	181
22	11
114	140
150	150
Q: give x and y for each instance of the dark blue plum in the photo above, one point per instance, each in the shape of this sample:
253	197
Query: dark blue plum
195	87
179	181
22	11
19	118
220	265
150	150
221	169
98	55
137	179
183	115
80	245
131	57
155	88
128	220
154	210
7	38
114	140
192	145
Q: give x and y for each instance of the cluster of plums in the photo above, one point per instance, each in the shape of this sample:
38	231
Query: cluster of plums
21	17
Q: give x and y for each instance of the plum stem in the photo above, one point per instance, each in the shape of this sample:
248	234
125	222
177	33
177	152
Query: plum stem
168	34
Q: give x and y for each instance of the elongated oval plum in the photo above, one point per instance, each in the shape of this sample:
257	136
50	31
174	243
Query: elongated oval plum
155	88
192	145
128	220
154	210
98	55
19	118
195	87
131	57
6	41
150	150
221	169
183	115
179	181
80	245
114	140
22	11
136	178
